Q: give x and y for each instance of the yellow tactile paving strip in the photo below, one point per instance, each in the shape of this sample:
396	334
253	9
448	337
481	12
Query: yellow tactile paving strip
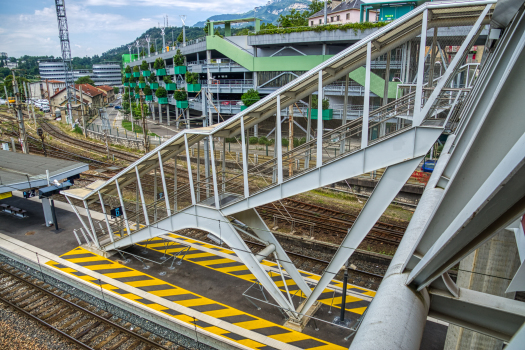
186	298
234	268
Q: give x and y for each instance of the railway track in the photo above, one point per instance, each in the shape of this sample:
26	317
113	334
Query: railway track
84	325
55	132
319	219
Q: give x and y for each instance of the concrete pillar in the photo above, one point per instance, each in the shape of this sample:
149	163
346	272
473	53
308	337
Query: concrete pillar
168	113
493	266
160	113
48	215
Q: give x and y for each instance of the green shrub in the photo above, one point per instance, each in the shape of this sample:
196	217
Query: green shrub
356	27
192	78
180	95
284	142
326	102
230	140
253	140
161	92
296	142
152	78
141	79
136	69
144	65
167	79
137	89
147	90
263	140
78	130
302	140
250	97
128	69
159	63
178	59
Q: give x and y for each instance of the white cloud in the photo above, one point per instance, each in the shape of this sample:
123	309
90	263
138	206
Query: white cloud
37	33
230	6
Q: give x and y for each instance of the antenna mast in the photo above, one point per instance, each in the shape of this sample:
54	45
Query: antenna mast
63	35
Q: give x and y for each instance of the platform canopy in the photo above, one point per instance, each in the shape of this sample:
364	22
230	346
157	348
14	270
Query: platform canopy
20	171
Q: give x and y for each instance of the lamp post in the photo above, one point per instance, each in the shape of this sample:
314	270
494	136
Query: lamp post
183	20
138	49
148	38
129	95
163	39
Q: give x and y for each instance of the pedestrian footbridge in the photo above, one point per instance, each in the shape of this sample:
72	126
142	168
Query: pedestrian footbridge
223	202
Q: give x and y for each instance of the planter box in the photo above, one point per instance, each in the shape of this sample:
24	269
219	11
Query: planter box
243	108
137	96
162	100
154	85
128	75
193	87
182	104
149	97
136	74
126	84
328	114
146	73
142	85
171	86
161	72
132	84
180	69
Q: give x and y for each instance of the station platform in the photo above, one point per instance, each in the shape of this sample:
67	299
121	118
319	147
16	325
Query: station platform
201	285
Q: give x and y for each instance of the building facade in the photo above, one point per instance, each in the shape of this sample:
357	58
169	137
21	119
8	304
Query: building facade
91	96
341	12
55	71
107	74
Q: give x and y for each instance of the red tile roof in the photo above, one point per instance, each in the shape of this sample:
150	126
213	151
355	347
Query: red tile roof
105	88
87	89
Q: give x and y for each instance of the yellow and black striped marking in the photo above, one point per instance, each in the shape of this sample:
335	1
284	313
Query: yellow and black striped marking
188	299
232	267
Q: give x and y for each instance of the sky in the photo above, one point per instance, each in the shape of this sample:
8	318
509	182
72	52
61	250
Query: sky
29	27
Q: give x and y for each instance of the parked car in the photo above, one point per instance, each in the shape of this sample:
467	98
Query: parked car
118	107
225	103
45	108
239	103
428	166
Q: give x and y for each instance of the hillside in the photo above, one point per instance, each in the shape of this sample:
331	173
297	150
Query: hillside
268	13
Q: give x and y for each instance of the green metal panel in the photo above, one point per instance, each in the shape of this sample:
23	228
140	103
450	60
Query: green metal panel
328	114
171	86
161	72
149	97
132	84
146	73
128	75
390	13
264	64
180	69
136	74
193	87
377	84
154	85
182	104
126	84
142	85
137	96
243	108
163	100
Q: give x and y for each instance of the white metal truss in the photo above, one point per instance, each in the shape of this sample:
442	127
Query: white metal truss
476	190
399	151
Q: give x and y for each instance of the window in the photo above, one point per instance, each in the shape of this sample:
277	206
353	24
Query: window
312	23
320	21
338	18
331	19
347	16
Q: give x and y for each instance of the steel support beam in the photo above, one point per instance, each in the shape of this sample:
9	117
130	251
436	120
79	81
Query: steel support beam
388	187
366	106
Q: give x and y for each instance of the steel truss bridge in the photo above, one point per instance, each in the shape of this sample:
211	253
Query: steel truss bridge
476	189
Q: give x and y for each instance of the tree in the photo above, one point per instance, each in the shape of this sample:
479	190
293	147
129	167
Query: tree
180	95
115	90
167	79
250	97
144	65
152	78
137	89
192	78
178	59
85	80
147	90
152	49
128	69
159	63
180	38
300	19
326	103
161	92
136	69
142	53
